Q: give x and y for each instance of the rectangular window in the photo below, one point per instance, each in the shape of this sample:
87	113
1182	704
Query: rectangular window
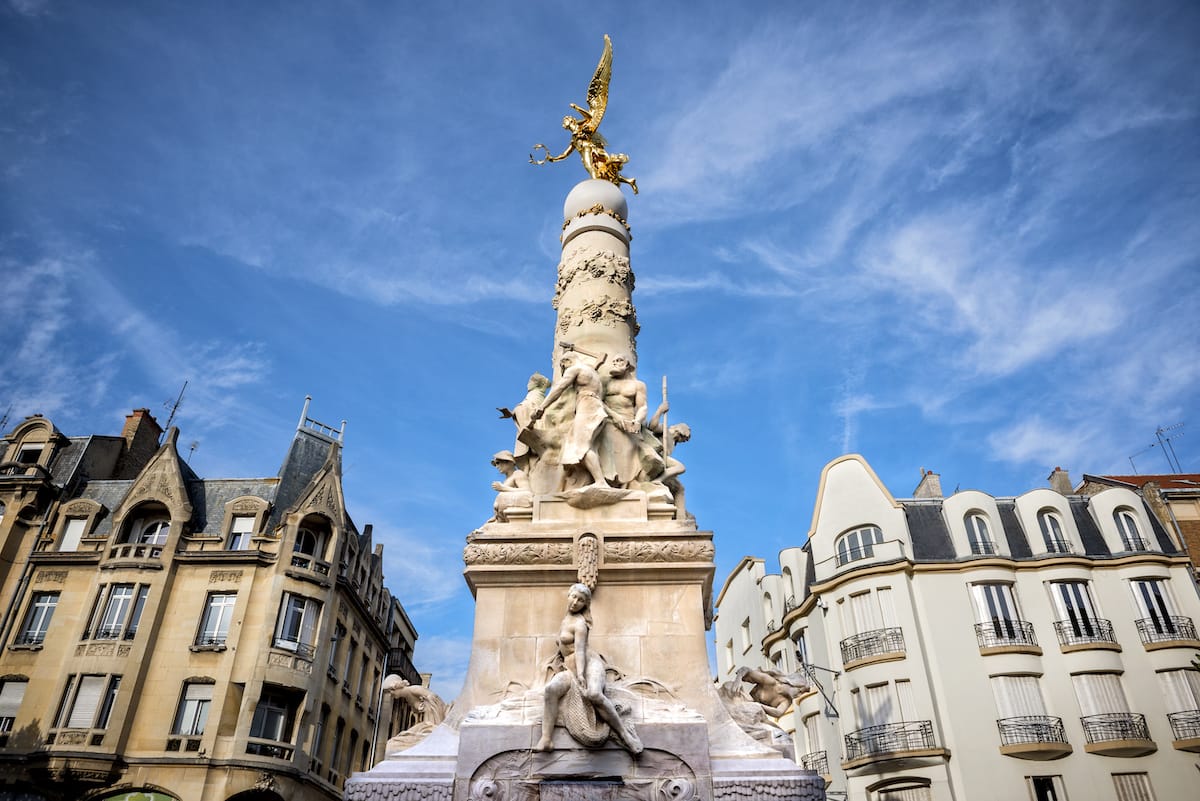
72	534
339	634
218	612
746	641
1155	605
117	612
11	695
297	627
1047	788
88	701
193	709
37	619
801	648
29	454
1100	693
1133	787
240	532
274	715
1017	697
1181	688
349	664
1073	600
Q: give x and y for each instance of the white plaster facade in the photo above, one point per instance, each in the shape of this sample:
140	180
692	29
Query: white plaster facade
963	653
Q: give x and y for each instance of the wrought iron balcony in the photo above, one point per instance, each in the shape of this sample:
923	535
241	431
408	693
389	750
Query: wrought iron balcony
1084	630
789	604
211	640
306	562
1185	725
817	760
30	638
1057	545
135	551
983	546
1115	726
999	633
889	738
1031	729
301	649
1134	544
1165	629
872	643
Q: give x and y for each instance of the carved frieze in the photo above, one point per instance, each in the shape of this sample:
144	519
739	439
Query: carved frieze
597	208
51	577
80	507
604	310
517	553
71	738
218	576
246	505
624	551
101	649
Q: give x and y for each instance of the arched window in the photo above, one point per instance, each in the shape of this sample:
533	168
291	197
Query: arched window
978	534
768	611
312	540
154	531
1131	535
858	544
1052	532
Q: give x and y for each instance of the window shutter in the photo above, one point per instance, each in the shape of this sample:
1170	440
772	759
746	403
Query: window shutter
72	534
1017	696
11	695
83	711
1181	688
1100	693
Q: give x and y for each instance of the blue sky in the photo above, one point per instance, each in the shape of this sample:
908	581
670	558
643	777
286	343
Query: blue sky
955	236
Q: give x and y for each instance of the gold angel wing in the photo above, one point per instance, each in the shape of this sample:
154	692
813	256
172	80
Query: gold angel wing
597	94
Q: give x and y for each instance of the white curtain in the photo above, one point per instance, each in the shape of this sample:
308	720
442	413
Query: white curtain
72	534
1181	688
1017	696
864	610
812	732
1133	787
1100	693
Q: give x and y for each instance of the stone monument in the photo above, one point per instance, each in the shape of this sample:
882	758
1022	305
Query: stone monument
589	674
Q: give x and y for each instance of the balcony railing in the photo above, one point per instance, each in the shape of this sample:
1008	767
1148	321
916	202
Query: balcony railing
1185	725
789	604
1115	726
1031	729
399	663
983	546
306	562
1165	629
817	760
211	640
998	633
889	738
30	638
269	748
1083	630
300	649
1057	545
872	643
1134	544
135	551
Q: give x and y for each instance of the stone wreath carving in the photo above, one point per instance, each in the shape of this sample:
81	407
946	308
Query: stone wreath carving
658	551
517	553
583	264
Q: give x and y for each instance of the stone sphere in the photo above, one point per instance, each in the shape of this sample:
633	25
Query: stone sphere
592	191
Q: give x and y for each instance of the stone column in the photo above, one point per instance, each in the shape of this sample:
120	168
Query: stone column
593	296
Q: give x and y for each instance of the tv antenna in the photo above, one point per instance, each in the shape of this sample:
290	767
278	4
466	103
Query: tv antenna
1163	436
174	407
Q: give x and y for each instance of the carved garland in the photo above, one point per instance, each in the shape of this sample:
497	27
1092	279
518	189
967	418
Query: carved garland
658	551
517	553
598	208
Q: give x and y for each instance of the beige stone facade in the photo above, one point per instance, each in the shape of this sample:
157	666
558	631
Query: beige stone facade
186	638
1036	647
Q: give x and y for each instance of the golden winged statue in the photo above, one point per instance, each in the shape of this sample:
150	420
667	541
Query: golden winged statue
585	136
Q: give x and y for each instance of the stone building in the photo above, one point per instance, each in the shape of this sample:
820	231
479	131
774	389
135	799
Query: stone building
978	647
167	636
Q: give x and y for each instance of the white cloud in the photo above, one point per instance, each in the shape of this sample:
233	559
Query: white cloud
446	657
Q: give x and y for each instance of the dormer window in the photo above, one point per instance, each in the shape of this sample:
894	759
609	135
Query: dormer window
858	544
30	453
1052	532
153	532
240	531
1127	527
978	534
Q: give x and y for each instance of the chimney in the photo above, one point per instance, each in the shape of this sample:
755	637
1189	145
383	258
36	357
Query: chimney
1060	481
141	435
930	486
